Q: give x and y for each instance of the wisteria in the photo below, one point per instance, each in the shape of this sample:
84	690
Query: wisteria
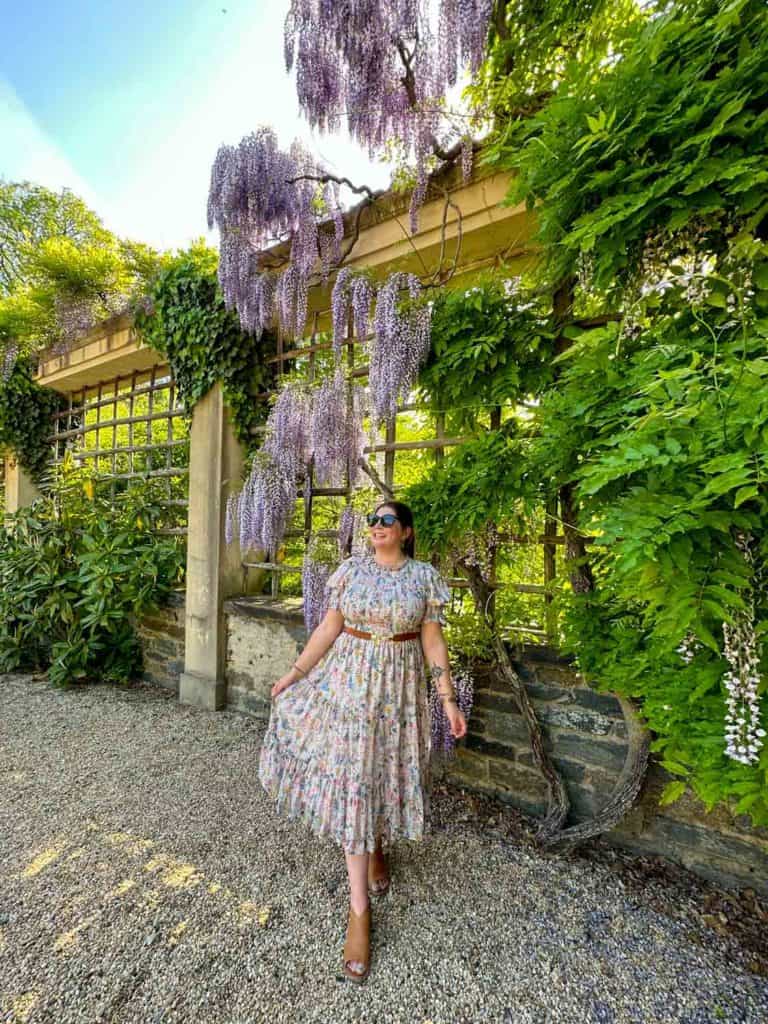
265	504
443	741
689	647
336	431
476	549
466	158
288	430
323	424
345	530
350	292
400	343
10	355
362	301
744	733
340	308
385	65
314	576
75	316
260	195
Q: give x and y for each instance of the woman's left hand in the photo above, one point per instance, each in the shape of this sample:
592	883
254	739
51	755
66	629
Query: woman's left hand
456	720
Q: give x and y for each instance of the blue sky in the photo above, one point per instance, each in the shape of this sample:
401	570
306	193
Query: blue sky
127	103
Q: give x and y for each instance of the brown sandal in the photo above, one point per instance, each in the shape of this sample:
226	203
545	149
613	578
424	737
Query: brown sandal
358	944
377	876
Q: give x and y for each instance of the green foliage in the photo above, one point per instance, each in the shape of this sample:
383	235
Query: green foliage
60	269
682	703
203	340
664	432
25	418
672	136
31	215
648	177
489	348
486	480
534	41
75	570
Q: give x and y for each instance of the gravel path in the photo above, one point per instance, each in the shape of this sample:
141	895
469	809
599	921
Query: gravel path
145	878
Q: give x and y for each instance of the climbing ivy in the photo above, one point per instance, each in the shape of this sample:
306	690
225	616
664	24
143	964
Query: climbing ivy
186	320
25	418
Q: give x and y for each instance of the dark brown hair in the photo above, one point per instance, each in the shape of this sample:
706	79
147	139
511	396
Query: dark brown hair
405	516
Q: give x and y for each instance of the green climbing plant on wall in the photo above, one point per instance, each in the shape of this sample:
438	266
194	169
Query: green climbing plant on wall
25	418
186	320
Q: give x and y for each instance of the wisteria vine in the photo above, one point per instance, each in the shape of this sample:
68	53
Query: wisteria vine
385	66
322	424
744	733
315	573
400	344
260	195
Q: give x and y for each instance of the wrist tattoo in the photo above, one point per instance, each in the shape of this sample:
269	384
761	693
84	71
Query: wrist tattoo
436	671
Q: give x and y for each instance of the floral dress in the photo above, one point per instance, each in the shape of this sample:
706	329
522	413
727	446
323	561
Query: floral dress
347	747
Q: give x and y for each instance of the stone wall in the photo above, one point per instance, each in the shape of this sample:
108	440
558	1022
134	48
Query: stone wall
263	639
585	734
583	730
162	642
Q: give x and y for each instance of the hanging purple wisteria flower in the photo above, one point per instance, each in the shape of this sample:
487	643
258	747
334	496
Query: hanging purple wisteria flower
314	576
386	65
340	309
265	504
336	432
10	355
443	742
400	343
744	732
260	195
352	533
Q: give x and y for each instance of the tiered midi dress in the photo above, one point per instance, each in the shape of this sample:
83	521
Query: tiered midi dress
347	747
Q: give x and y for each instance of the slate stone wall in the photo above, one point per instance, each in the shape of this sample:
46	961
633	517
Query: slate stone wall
162	642
585	735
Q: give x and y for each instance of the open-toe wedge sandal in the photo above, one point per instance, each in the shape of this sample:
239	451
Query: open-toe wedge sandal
378	877
357	948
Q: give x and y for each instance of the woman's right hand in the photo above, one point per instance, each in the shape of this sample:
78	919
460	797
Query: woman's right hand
284	682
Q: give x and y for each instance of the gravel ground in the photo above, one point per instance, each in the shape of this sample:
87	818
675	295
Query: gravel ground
144	877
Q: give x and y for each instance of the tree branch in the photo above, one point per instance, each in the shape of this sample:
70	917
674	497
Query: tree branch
368	469
325	178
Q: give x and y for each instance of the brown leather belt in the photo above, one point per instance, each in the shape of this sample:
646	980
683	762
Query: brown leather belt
378	637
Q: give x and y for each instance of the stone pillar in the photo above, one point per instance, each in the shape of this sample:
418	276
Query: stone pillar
20	489
213	567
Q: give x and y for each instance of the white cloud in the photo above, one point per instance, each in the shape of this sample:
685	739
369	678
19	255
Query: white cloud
28	154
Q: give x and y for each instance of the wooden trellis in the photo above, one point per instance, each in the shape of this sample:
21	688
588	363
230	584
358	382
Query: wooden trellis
390	447
153	445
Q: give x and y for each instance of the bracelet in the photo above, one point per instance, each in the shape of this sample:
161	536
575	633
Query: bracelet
299	670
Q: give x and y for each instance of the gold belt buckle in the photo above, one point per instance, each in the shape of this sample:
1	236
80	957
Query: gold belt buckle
381	637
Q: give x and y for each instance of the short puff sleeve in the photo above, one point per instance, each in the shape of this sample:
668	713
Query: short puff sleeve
438	594
335	584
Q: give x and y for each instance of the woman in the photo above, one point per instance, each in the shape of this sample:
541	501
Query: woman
347	747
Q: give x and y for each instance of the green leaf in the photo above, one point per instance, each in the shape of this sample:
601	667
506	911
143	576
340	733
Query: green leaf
672	792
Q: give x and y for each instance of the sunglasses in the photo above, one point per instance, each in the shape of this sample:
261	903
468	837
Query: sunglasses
388	519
